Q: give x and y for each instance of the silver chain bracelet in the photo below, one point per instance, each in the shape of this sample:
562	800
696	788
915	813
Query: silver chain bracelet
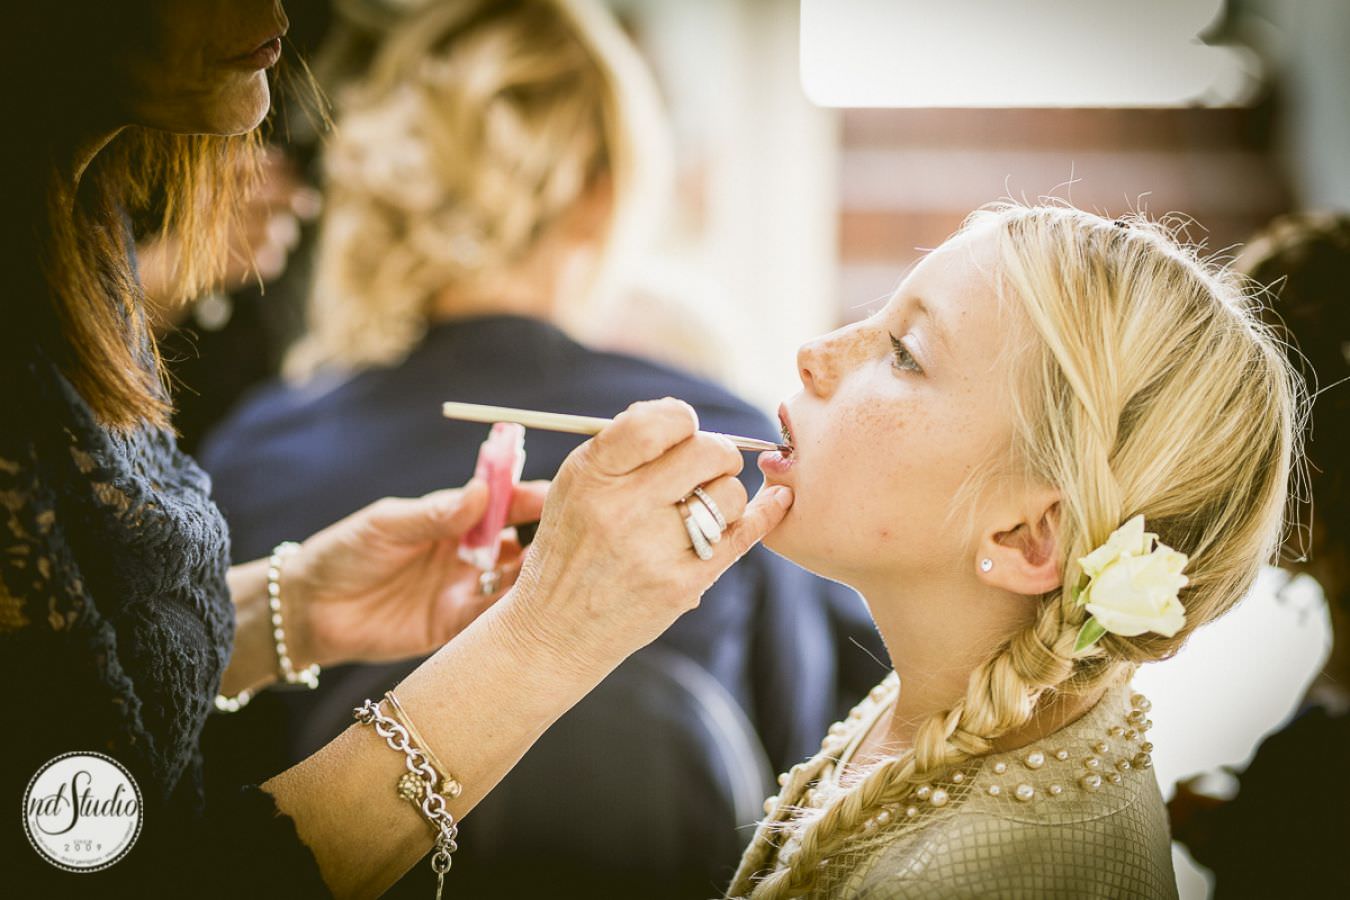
433	804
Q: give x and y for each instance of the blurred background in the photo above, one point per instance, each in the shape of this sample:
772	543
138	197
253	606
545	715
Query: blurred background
788	219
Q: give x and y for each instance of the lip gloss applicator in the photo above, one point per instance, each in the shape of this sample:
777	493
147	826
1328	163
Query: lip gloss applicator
549	421
501	458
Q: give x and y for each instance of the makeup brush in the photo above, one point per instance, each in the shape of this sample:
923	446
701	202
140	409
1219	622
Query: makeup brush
547	421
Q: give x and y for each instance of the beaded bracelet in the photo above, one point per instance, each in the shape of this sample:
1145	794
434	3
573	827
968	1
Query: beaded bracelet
309	676
420	778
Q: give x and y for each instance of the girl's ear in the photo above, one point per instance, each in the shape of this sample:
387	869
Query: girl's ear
1023	556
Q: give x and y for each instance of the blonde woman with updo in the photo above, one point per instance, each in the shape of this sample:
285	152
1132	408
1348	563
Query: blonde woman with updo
1061	447
494	158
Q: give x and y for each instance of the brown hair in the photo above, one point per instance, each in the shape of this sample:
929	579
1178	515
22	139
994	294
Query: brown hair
67	241
92	323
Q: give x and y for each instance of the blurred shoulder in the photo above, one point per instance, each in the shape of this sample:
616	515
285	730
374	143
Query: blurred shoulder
275	407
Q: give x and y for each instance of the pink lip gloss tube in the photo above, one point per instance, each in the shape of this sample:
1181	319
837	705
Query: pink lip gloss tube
500	461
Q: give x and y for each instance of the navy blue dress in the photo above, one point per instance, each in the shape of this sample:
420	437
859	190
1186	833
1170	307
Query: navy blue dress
292	460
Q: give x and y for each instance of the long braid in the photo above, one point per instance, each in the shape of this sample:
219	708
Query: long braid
1001	697
762	847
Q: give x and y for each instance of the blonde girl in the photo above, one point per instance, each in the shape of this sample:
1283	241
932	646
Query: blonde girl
1062	446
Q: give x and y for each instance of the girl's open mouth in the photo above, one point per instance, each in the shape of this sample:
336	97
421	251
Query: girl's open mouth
779	462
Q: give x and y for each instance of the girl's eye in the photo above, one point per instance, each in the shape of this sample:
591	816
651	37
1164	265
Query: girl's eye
904	360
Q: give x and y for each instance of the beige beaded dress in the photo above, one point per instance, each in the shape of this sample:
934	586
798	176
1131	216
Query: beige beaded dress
1077	815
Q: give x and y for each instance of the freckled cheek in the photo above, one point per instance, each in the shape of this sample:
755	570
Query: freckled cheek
867	458
899	473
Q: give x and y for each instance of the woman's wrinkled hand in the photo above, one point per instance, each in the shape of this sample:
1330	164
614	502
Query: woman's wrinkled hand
611	566
387	583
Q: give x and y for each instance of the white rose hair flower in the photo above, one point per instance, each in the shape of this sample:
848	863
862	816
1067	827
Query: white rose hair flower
1132	586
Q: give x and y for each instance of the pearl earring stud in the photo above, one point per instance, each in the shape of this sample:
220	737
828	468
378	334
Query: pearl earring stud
986	564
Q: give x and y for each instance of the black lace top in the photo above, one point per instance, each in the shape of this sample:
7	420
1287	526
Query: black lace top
115	627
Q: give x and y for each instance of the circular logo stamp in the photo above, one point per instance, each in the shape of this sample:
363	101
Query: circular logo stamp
82	811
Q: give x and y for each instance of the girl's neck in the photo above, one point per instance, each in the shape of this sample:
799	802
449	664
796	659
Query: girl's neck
938	633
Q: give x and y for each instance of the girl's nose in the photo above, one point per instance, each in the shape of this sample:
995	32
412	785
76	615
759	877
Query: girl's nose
821	361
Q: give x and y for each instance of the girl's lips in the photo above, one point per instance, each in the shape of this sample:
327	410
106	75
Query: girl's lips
775	465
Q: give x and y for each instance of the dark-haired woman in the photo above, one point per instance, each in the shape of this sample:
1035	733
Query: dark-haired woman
119	621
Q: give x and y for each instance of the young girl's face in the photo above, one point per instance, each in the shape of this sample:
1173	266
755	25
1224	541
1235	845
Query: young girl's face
895	414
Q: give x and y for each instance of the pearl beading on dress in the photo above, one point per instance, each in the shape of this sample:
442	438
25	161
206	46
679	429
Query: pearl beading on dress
1123	749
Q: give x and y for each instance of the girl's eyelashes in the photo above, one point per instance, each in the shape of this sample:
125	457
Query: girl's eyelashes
904	360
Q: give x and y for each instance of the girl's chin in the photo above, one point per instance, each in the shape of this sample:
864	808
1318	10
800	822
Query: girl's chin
794	542
798	542
240	107
779	540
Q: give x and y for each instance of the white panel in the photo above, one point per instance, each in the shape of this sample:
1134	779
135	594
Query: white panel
986	53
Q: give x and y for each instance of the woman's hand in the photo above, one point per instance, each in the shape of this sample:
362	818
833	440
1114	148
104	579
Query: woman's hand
387	583
611	566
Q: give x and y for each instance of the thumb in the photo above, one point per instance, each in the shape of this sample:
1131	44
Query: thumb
762	515
438	516
527	502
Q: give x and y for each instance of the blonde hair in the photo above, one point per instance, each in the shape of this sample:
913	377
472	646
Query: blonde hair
480	124
1151	387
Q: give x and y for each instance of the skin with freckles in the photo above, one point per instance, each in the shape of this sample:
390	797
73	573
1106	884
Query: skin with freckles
883	438
898	432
